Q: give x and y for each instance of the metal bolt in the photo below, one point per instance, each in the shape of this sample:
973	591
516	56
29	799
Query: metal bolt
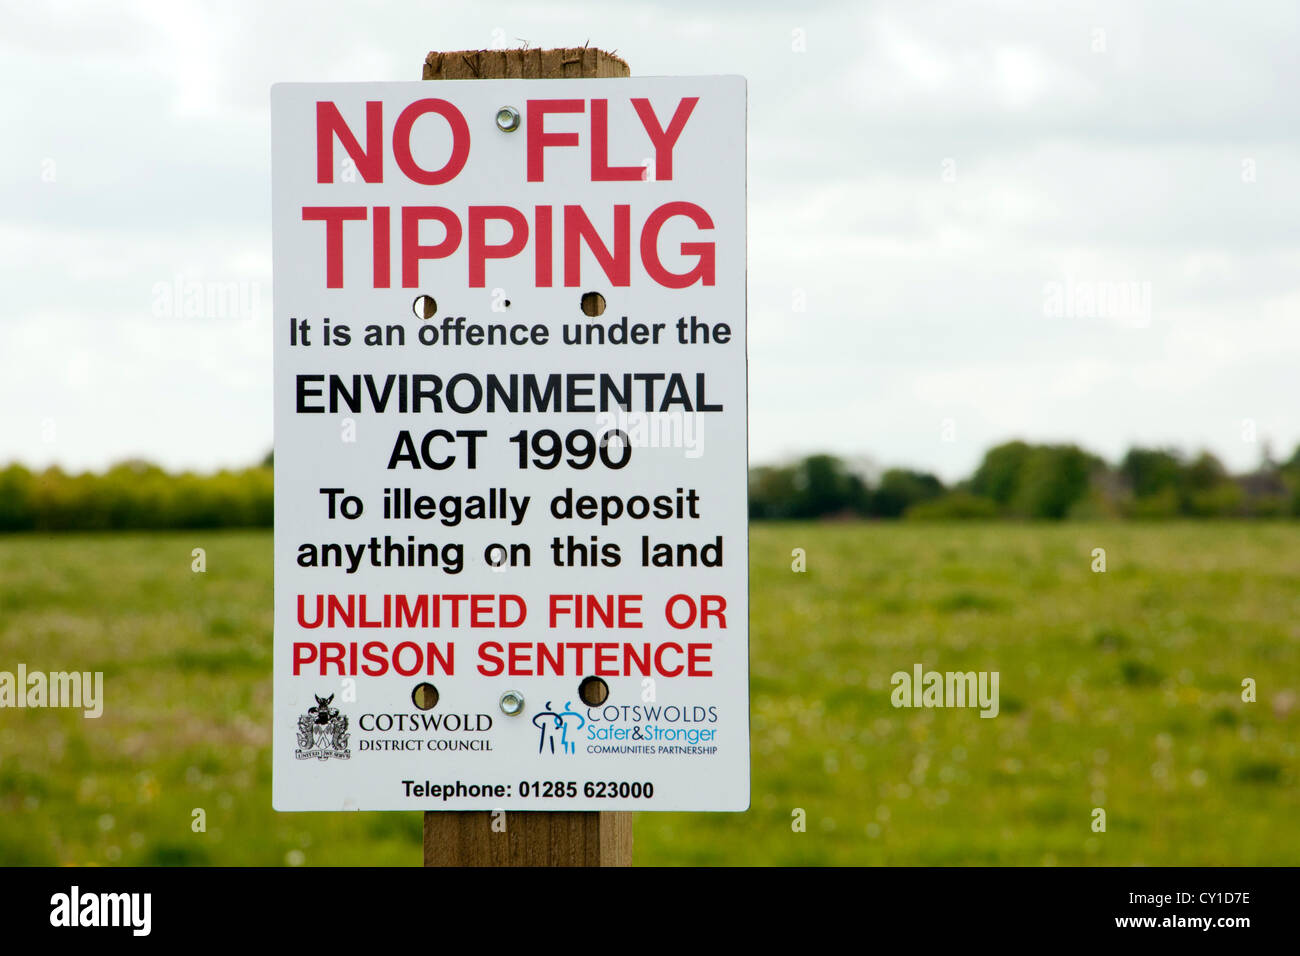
507	119
512	703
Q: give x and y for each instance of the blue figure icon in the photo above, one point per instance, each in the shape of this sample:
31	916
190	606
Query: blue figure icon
553	725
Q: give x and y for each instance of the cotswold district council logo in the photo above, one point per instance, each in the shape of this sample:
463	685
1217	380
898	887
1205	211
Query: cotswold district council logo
322	732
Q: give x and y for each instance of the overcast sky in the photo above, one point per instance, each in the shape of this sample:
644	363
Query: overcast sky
1000	220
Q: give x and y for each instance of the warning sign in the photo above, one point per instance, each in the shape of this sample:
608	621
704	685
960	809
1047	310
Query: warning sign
510	445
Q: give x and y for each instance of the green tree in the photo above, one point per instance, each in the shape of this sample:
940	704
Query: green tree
17	488
1149	471
772	491
1054	478
825	486
900	489
999	474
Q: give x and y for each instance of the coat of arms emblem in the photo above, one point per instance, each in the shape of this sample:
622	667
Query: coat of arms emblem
322	732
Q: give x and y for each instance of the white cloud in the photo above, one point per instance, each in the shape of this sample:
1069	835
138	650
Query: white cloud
923	293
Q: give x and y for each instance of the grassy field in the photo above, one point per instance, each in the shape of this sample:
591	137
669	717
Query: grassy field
1119	690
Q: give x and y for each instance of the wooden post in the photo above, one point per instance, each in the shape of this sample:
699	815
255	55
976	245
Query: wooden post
453	838
574	63
456	838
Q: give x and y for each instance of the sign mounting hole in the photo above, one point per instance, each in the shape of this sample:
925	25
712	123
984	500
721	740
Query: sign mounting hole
593	304
425	696
593	691
424	306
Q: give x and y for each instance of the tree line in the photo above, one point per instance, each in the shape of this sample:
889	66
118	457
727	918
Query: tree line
1015	480
1019	480
134	495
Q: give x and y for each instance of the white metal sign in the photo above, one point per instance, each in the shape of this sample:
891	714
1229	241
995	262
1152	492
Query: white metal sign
510	445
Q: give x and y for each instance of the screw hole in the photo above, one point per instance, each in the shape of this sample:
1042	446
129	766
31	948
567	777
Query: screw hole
593	304
593	691
424	307
425	696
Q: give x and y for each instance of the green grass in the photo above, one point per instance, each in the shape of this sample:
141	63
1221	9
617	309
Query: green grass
1119	690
